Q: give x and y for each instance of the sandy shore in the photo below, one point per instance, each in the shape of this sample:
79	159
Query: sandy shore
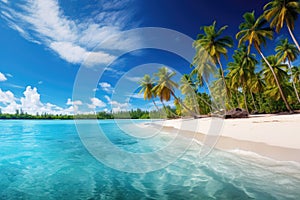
274	136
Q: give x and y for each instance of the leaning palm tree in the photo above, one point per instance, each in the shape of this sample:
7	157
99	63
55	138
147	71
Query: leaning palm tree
241	71
204	67
166	86
215	45
188	88
147	84
288	52
281	12
252	30
280	70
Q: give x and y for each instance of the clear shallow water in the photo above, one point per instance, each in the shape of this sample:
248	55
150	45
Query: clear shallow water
46	160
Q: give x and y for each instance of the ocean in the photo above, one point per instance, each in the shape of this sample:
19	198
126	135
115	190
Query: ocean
55	159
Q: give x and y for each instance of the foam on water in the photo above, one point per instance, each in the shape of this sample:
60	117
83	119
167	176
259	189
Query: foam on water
46	159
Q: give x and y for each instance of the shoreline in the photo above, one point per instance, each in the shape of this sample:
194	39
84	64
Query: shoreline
273	136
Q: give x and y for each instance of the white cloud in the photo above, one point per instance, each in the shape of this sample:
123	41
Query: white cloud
106	87
6	15
6	97
113	72
2	77
9	75
14	86
43	21
74	106
134	78
77	102
68	51
117	106
76	54
96	103
107	98
31	103
11	108
4	1
136	96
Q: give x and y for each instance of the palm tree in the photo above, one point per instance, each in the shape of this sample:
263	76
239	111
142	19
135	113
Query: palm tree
281	12
296	74
288	52
280	70
204	66
146	84
257	86
253	31
166	86
217	92
241	71
257	83
188	88
215	45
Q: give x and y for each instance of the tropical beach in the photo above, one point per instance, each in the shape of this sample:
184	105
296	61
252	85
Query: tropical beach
152	99
273	136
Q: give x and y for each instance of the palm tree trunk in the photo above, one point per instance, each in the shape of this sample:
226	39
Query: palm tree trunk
209	105
253	100
165	108
294	85
155	104
275	77
293	37
245	100
223	77
237	98
185	107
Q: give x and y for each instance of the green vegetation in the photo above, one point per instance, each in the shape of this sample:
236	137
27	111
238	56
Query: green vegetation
269	85
133	114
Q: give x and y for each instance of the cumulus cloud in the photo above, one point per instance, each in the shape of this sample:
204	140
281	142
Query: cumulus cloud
44	22
70	102
106	87
2	77
6	97
96	103
31	103
117	106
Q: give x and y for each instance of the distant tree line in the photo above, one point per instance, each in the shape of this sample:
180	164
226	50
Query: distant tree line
132	114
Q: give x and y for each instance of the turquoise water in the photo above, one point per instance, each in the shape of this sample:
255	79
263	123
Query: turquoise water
47	160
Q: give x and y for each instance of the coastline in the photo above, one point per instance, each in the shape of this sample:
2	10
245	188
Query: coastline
273	136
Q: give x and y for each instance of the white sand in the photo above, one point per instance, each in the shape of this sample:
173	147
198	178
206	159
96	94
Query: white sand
276	136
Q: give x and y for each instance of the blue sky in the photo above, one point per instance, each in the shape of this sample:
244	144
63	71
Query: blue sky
44	43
